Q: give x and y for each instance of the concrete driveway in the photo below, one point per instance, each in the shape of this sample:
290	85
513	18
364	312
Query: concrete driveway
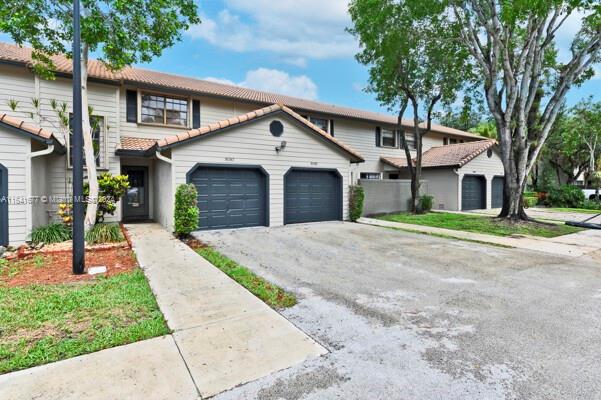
410	316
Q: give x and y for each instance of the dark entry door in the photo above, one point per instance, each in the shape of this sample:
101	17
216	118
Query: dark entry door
230	197
498	183
135	203
473	193
3	206
312	196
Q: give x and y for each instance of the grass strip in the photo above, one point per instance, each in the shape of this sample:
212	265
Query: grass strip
271	294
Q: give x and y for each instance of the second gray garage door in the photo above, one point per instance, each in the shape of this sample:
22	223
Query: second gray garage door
312	195
498	183
473	193
230	197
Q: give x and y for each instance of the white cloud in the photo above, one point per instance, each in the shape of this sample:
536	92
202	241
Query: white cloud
300	62
273	80
313	29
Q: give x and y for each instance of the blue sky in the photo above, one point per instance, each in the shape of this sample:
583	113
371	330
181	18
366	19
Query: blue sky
293	47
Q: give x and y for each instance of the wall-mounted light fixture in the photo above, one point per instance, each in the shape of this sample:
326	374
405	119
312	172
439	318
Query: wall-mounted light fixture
280	147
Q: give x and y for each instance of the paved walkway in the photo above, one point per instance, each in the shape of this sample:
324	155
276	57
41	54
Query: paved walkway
573	245
223	336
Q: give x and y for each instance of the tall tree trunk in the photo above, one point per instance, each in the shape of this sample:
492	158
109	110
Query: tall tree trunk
88	144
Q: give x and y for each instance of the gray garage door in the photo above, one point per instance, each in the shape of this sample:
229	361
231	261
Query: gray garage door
3	206
497	191
311	196
230	197
473	193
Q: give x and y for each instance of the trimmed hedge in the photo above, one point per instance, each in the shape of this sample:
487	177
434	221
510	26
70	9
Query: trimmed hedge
356	199
186	211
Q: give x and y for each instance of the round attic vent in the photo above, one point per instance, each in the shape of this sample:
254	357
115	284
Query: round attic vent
276	128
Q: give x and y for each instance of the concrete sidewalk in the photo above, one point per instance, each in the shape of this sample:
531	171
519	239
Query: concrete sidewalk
223	336
574	245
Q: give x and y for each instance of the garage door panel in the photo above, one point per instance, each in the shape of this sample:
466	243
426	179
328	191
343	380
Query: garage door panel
473	193
498	183
230	197
311	196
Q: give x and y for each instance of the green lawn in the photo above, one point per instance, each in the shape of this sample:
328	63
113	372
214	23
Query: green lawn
570	210
45	323
271	294
481	224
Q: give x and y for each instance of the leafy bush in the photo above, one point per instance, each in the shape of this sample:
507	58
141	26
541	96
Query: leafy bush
565	196
591	205
52	233
530	201
425	203
530	194
186	211
356	200
110	190
104	233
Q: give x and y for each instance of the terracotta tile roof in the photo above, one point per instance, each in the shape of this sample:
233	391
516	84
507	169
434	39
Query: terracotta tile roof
12	53
136	144
453	155
28	128
212	128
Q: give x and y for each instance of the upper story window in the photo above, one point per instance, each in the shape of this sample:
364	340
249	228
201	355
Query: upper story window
163	110
98	125
324	124
410	141
389	138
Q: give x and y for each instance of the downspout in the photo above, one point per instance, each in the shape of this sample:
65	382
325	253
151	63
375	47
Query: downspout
29	187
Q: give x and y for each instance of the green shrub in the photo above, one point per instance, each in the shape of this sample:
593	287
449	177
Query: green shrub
591	205
186	211
530	201
110	190
530	194
566	196
104	233
425	203
356	200
52	233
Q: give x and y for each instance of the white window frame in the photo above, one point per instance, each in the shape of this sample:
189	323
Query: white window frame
188	99
103	156
410	142
371	173
394	135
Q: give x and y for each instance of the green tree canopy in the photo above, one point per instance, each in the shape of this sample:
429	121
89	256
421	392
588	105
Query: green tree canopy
123	32
413	59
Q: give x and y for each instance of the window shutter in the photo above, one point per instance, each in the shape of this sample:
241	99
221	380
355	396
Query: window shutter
131	97
399	139
195	114
332	127
378	134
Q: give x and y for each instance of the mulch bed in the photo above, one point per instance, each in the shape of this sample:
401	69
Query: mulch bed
56	267
193	243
